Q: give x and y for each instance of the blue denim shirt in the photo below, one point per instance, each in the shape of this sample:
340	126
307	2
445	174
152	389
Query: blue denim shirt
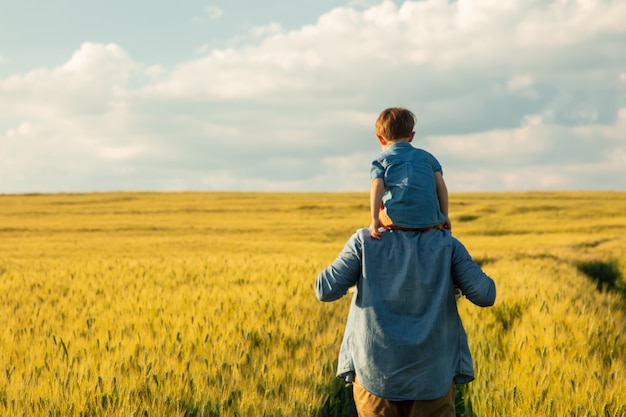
404	337
410	194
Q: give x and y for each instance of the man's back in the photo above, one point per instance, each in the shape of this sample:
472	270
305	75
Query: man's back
404	337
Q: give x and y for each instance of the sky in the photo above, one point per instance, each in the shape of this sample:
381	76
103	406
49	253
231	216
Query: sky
243	95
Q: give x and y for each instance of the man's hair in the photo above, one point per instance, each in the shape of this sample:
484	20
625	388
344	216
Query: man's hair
395	123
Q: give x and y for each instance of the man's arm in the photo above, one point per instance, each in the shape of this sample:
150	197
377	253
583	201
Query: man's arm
333	282
475	284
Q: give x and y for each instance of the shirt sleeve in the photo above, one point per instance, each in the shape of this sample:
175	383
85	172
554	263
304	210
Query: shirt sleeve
333	282
376	170
434	163
475	284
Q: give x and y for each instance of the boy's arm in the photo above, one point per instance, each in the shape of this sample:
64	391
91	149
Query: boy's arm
376	199
442	195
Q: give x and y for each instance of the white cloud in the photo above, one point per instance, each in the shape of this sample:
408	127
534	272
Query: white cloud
361	3
272	28
345	173
536	156
213	12
154	72
208	13
520	82
84	85
25	129
532	120
124	152
508	95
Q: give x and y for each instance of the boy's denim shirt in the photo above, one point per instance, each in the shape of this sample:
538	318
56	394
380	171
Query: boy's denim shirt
404	337
410	195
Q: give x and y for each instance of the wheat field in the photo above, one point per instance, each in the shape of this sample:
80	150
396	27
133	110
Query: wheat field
202	304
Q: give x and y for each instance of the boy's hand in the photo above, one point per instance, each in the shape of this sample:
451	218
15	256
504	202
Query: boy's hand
448	224
376	224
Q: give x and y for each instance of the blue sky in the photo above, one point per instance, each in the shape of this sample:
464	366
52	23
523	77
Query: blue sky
282	96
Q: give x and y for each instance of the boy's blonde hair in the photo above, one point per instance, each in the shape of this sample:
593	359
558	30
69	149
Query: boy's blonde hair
395	123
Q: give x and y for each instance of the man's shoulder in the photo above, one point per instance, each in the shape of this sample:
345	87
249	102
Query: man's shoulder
441	237
362	234
359	236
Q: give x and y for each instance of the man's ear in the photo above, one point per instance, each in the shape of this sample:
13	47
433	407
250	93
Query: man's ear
381	140
411	137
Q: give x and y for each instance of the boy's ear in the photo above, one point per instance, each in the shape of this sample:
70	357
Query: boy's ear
381	140
411	137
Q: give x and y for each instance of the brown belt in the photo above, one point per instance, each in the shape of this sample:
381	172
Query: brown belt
415	229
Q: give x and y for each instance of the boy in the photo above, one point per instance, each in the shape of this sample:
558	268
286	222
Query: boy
408	191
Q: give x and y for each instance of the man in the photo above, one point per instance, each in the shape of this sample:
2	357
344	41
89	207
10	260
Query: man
404	342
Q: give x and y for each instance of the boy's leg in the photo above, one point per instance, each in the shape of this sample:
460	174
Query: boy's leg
384	218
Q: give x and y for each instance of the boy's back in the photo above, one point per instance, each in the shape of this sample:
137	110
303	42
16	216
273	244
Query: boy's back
410	190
